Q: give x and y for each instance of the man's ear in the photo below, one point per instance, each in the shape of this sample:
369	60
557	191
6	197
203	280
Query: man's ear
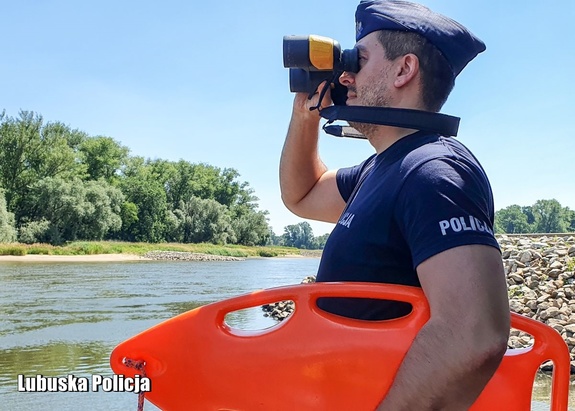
406	70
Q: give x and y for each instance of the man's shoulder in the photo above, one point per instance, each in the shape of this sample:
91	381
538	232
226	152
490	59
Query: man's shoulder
438	146
441	152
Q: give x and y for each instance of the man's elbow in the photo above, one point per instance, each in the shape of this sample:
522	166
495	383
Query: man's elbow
491	336
498	349
293	205
489	353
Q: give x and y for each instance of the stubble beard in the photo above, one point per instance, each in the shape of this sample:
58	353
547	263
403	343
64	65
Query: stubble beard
374	95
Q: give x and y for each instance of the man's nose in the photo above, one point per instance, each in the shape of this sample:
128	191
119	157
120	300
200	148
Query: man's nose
346	78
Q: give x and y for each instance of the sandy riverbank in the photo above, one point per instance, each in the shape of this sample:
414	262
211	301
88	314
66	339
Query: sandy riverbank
43	258
165	255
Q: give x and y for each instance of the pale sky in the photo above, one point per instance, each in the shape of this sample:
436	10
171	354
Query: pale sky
204	82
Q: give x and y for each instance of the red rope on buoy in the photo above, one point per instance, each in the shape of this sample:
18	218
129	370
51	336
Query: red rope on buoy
138	365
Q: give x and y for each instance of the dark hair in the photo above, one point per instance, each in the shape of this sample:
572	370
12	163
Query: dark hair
436	75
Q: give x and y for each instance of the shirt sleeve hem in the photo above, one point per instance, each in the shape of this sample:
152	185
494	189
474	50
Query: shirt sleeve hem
447	245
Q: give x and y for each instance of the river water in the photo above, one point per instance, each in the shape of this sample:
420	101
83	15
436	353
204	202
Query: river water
58	319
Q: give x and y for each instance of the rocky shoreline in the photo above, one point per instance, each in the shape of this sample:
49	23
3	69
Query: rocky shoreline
187	256
540	271
540	274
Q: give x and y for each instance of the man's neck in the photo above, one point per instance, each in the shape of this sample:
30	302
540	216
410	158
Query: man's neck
384	136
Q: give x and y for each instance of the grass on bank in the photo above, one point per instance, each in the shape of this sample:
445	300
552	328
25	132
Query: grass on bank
116	247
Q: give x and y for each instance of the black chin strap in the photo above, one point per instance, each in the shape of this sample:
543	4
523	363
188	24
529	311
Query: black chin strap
387	116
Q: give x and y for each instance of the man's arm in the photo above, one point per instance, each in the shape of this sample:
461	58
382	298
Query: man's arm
458	350
308	189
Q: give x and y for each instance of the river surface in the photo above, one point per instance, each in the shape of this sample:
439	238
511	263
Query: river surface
58	319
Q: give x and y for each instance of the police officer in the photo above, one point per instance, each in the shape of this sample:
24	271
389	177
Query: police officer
418	212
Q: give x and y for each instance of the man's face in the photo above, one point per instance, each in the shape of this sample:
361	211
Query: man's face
370	86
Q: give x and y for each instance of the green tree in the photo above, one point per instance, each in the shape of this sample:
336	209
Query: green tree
528	211
274	239
299	235
58	152
18	140
321	240
7	227
35	232
104	157
203	220
545	216
182	180
30	151
62	203
145	194
571	219
150	199
251	228
229	192
550	217
512	220
57	185
250	224
103	210
129	217
72	210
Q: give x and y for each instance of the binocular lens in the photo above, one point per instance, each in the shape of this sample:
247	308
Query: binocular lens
296	52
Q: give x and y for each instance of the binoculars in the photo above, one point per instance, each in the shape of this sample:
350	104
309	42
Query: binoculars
313	59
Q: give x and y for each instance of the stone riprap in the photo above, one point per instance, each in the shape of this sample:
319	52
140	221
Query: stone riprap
541	284
280	310
186	256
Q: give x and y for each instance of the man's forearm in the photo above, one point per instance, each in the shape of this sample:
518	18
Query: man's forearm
443	370
300	164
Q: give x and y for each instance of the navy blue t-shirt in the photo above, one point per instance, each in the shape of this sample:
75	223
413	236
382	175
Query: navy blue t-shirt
423	195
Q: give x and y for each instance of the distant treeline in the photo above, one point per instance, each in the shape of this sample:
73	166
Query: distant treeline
545	216
58	184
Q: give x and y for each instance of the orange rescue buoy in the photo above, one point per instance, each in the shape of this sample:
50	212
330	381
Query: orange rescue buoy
314	360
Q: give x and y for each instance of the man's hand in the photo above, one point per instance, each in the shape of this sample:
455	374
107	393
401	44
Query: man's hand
303	104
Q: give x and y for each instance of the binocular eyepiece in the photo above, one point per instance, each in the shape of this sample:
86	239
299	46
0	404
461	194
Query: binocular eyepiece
313	59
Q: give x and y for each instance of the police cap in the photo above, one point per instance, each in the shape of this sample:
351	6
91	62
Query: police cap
457	44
